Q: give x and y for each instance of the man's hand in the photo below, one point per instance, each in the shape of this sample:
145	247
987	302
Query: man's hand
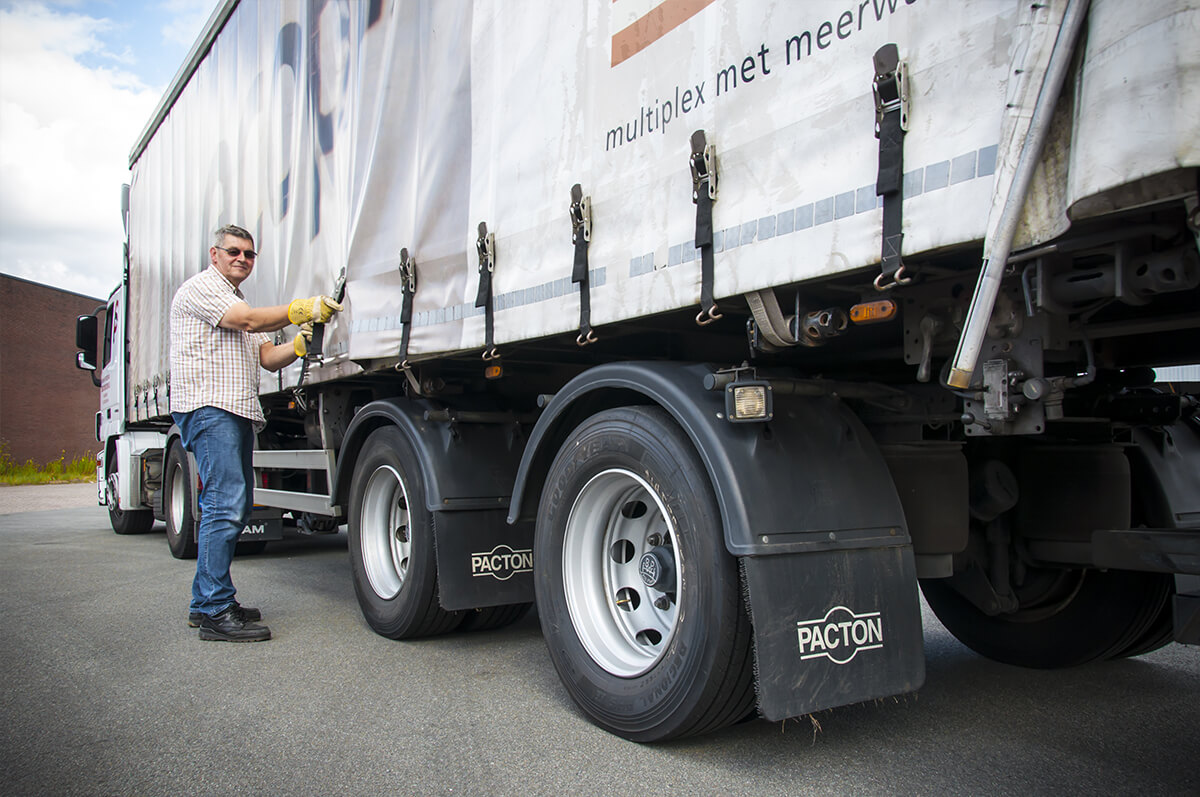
300	344
317	309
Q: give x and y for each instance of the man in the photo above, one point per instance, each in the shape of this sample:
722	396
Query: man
217	346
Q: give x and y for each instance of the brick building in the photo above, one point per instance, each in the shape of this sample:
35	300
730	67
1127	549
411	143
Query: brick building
47	405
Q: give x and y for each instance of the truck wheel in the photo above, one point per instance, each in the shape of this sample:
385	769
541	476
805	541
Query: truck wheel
640	604
391	542
493	617
1150	510
1077	617
1161	632
178	484
126	521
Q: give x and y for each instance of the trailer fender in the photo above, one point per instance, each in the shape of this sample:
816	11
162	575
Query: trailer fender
468	471
809	506
465	466
783	487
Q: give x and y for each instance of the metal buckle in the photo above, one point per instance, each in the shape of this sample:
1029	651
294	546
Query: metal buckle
339	287
581	214
704	166
408	271
890	86
485	244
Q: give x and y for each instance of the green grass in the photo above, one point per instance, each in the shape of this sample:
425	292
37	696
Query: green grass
80	469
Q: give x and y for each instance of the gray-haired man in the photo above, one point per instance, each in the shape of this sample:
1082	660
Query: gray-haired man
218	342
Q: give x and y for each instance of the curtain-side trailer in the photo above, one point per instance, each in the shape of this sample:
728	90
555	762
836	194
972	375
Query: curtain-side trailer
715	329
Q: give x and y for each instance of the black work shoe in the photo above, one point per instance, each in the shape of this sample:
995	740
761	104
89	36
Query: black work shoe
231	626
249	614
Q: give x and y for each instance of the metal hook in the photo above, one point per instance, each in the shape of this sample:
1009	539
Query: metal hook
405	368
584	340
712	315
898	279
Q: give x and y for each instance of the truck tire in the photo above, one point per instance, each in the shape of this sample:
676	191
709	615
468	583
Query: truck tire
1161	632
1088	616
391	540
178	484
1149	509
640	604
126	521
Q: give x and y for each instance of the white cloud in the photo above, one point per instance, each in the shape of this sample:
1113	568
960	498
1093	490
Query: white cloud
188	20
65	135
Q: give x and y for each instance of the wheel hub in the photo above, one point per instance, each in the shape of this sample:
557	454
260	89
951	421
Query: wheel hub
620	572
657	569
177	498
384	536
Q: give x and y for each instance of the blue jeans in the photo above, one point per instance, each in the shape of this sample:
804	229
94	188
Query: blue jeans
223	444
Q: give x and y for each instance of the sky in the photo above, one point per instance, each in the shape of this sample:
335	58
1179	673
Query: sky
79	80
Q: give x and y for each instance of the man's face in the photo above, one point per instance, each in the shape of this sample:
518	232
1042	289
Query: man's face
235	268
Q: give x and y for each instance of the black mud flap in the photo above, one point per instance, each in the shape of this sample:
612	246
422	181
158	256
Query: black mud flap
834	627
265	525
482	561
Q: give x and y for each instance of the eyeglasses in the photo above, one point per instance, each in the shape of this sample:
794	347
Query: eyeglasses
235	252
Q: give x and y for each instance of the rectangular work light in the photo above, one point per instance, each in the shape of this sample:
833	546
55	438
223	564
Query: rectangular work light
748	401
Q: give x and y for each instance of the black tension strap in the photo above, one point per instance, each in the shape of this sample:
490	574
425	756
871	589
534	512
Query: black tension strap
408	278
704	192
316	346
581	235
315	349
891	123
485	244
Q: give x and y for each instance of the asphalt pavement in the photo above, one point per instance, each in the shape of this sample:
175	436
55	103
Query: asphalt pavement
104	690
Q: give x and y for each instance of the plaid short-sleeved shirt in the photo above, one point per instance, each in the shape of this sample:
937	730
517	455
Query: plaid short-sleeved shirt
211	366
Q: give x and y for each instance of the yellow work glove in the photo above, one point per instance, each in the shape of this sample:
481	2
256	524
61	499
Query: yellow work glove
300	344
318	309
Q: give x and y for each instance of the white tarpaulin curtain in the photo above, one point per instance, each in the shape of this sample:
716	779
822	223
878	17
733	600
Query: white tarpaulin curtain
339	132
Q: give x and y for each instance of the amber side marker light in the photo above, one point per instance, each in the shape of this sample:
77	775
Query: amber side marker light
493	371
873	312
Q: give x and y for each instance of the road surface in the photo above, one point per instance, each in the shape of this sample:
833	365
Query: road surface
106	691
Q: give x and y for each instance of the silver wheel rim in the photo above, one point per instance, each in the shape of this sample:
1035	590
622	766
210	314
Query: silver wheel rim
110	490
383	532
177	498
624	624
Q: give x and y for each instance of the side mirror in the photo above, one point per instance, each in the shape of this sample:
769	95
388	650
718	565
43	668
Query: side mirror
86	328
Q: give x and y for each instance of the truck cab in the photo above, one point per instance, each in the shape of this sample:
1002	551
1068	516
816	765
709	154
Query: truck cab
134	455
